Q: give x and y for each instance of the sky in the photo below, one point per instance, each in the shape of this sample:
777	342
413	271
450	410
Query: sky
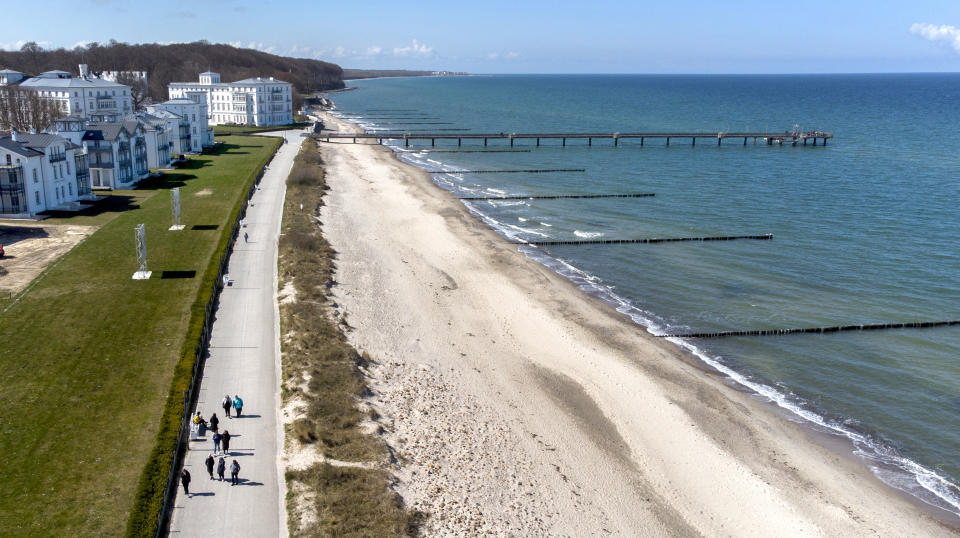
496	36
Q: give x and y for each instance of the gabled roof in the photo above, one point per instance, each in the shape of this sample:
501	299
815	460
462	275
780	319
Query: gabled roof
208	73
9	71
19	148
41	140
107	131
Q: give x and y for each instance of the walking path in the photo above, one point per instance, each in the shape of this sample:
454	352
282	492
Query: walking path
244	359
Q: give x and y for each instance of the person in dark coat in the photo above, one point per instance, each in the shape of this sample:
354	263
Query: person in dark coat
226	403
234	473
226	441
238	405
214	423
209	462
185	480
221	467
216	442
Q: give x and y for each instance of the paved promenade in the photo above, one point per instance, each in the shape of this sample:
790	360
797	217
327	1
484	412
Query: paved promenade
244	359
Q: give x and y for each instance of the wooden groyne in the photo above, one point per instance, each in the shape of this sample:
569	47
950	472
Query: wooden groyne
388	131
790	137
561	196
474	150
418	123
764	237
528	171
819	330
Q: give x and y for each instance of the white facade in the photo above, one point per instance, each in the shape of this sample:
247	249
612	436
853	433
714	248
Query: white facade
116	153
87	97
157	132
178	130
193	110
252	101
41	172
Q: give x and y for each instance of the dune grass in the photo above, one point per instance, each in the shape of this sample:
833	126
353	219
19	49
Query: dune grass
321	370
88	355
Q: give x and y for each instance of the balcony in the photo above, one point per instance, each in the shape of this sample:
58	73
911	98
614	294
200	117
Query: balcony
58	157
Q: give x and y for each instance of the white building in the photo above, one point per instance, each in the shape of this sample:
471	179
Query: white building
252	101
116	153
192	109
84	96
41	172
157	134
178	129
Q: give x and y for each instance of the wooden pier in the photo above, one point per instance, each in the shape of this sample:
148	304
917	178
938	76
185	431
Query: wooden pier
820	330
792	138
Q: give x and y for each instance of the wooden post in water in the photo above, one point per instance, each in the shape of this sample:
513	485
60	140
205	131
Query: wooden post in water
484	141
459	141
744	141
693	141
641	141
590	141
538	141
668	140
564	141
433	142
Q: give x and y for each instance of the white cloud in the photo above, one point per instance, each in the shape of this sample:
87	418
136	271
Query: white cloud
415	49
511	55
17	45
944	34
373	51
82	43
493	56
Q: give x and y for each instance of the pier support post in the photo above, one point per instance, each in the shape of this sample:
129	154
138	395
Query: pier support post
564	142
744	141
641	141
804	141
484	141
406	142
668	140
354	140
616	141
538	141
718	140
459	142
511	141
589	142
693	141
824	141
433	142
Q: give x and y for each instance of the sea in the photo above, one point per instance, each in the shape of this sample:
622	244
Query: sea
866	230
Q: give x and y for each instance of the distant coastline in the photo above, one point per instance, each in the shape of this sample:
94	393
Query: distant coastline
361	74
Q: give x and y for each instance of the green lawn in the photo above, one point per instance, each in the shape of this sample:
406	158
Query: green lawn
87	355
239	129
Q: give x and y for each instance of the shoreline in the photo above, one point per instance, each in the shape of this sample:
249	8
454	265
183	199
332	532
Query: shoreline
755	456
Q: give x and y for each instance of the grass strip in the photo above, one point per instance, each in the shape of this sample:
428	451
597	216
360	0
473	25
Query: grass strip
89	356
153	483
224	130
321	372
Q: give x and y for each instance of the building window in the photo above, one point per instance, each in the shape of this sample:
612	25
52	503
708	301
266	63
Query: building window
36	194
34	175
70	188
8	160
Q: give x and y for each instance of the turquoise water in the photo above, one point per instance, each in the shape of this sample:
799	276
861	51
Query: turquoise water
864	230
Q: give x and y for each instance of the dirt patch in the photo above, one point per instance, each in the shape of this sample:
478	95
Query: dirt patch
30	247
203	192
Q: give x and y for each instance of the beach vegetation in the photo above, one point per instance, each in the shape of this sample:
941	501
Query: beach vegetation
323	373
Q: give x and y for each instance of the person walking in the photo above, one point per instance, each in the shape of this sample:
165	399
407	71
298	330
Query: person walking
221	467
216	442
214	423
244	237
225	439
238	405
226	403
234	473
185	480
209	463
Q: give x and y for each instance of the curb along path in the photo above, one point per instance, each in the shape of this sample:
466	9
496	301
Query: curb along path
243	359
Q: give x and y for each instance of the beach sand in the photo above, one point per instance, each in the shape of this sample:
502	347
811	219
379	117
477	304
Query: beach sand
517	404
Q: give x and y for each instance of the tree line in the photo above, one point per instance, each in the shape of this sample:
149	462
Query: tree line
178	62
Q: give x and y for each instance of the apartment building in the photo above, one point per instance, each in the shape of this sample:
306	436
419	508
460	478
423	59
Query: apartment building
41	172
252	101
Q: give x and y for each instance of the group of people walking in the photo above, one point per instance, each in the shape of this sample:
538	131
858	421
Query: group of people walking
220	441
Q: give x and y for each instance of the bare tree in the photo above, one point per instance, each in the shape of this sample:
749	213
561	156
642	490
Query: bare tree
33	52
25	111
138	89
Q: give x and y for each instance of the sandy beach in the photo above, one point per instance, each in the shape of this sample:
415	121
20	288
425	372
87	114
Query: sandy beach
517	405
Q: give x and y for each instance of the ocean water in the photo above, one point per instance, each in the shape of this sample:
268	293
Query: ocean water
865	229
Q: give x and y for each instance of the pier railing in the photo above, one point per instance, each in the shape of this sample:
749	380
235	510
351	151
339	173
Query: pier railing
790	137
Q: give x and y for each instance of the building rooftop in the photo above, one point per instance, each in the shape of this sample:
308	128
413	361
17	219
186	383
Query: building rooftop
40	82
104	131
41	140
20	148
9	71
